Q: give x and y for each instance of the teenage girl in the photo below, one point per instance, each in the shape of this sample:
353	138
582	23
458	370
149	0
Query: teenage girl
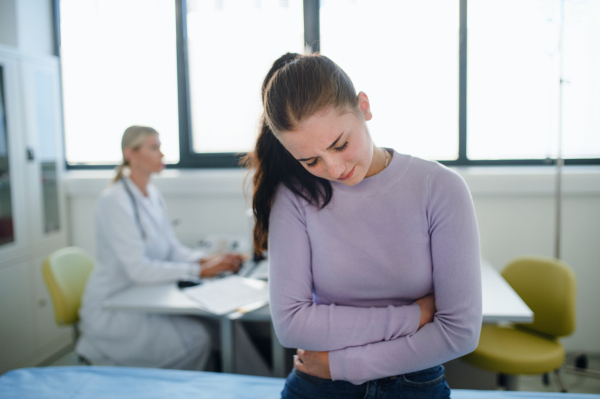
374	254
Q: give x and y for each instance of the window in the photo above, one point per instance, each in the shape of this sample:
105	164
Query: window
119	69
581	66
231	45
404	56
466	82
514	79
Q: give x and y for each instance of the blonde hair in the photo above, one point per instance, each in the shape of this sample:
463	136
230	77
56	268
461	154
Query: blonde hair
133	137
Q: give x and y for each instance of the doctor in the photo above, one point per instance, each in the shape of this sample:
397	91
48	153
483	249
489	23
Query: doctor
136	245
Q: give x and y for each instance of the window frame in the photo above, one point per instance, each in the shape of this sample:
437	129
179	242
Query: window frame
188	159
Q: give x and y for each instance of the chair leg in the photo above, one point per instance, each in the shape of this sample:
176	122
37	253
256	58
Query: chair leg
508	382
512	383
581	361
83	360
559	382
501	380
75	332
78	360
581	367
546	379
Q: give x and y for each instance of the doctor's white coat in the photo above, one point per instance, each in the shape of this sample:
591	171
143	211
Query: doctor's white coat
129	254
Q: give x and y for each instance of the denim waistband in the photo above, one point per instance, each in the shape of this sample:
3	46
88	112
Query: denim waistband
381	380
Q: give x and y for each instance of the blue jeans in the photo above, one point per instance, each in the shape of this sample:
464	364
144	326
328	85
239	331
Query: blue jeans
424	384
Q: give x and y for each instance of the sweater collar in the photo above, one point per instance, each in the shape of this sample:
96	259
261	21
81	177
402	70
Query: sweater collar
381	181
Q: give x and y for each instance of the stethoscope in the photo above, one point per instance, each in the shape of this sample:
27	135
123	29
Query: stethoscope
137	211
135	208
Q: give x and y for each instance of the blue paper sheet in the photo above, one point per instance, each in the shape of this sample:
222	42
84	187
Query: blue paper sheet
138	383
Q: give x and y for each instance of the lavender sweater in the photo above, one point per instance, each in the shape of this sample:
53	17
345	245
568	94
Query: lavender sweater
344	278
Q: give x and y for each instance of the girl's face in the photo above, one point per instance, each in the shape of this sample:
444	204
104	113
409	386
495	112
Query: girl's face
334	145
148	158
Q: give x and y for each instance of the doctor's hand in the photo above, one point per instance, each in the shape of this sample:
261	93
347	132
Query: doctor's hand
313	363
215	264
427	305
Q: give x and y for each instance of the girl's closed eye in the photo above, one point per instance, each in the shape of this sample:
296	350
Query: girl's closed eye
313	163
342	148
337	149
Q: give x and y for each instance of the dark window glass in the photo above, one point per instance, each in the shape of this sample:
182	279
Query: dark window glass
47	135
6	219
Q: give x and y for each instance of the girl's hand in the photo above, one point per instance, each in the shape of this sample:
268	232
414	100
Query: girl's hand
215	264
427	304
313	363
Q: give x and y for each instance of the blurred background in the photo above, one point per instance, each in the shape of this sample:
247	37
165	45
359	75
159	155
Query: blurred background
505	92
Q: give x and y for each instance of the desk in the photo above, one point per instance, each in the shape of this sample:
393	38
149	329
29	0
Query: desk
500	303
168	299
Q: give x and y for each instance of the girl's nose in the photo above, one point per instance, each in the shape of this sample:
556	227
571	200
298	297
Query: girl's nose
335	168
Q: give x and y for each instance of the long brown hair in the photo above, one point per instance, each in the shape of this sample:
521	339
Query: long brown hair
296	88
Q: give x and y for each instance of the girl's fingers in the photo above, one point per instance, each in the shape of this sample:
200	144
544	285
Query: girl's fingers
298	364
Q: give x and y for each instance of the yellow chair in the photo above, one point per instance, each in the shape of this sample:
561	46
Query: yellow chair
548	287
65	273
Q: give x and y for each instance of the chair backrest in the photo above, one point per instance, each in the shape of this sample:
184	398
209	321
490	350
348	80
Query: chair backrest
548	287
65	272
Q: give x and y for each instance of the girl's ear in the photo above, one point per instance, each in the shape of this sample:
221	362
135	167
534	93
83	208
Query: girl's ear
365	106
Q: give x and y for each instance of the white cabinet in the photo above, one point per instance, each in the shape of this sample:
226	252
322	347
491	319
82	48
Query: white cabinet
32	206
16	314
13	212
47	333
43	127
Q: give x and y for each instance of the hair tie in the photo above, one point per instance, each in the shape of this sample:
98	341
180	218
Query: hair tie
285	59
277	65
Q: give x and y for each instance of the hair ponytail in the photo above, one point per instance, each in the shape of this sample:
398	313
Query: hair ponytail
265	181
295	88
120	170
273	165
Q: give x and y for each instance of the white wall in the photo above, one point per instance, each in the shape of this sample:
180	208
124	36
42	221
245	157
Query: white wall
203	203
8	23
515	210
512	226
27	25
28	332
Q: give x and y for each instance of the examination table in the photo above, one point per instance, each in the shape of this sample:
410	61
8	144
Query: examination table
80	382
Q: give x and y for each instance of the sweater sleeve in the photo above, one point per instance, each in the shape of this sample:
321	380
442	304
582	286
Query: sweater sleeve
297	319
116	229
457	287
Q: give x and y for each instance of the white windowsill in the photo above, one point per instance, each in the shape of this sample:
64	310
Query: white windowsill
486	181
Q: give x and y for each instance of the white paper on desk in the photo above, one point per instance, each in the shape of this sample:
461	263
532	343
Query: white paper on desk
227	294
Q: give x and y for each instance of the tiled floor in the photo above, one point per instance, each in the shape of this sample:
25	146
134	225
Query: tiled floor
65	360
574	383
